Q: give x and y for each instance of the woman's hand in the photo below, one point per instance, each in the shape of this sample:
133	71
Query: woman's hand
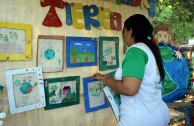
97	76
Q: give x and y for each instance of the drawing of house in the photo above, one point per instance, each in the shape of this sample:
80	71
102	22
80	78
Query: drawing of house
87	59
66	90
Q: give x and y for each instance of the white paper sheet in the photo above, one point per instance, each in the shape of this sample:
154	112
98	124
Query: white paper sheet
114	104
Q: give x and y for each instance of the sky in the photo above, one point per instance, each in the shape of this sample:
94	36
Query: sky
82	45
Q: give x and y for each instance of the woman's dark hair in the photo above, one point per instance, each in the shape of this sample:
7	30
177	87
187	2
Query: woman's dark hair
142	32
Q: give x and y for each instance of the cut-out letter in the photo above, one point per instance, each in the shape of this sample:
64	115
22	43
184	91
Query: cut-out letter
104	18
77	15
115	17
88	14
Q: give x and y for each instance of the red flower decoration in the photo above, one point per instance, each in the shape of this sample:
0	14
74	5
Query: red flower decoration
86	6
65	4
72	4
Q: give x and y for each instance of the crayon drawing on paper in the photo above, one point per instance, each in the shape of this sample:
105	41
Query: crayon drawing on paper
50	53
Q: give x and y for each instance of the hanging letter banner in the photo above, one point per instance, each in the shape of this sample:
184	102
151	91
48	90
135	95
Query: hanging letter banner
83	17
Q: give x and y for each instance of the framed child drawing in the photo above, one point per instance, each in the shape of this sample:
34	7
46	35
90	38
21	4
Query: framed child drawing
93	95
50	52
15	41
81	51
25	89
109	53
61	92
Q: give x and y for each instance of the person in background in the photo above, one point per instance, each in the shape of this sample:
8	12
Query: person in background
139	79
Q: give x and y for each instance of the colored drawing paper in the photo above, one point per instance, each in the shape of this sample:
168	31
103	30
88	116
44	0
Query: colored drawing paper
25	89
50	53
62	92
109	53
94	97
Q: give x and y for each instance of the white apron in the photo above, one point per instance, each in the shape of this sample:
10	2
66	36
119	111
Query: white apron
146	108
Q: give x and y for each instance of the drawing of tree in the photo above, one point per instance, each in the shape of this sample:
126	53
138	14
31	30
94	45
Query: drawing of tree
54	88
52	18
100	86
74	51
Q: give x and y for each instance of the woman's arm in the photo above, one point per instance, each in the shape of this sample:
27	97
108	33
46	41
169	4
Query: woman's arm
127	86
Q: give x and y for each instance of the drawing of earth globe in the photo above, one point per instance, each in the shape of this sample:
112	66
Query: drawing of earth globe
49	54
26	88
174	86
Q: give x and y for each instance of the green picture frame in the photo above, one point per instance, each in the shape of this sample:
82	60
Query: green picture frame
108	53
62	92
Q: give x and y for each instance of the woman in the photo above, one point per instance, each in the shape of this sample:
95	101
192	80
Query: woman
139	78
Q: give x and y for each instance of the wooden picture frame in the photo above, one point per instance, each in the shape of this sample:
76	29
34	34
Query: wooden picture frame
94	97
25	89
109	53
15	41
50	52
61	92
81	51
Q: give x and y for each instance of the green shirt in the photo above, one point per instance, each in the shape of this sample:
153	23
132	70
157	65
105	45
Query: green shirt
134	63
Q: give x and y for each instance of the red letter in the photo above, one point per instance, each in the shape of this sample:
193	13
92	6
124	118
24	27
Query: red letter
115	17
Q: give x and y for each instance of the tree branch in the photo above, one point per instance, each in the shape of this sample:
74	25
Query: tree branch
160	11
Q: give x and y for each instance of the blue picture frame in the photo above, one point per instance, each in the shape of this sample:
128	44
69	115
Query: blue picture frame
89	106
81	51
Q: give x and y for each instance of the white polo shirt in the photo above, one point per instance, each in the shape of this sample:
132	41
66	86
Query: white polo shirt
146	108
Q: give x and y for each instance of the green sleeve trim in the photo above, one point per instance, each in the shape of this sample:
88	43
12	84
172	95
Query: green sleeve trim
134	63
